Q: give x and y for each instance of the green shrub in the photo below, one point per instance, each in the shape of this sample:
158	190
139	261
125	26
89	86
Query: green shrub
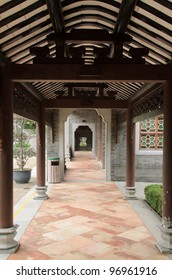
153	196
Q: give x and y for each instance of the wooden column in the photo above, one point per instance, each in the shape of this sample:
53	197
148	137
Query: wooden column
7	228
41	187
165	245
130	157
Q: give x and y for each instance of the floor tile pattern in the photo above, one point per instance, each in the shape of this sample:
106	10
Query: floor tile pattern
86	218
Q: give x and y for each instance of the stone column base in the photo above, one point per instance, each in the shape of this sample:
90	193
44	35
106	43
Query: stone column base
67	156
165	244
130	193
41	193
7	243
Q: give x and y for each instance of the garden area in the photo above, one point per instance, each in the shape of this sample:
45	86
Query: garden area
153	196
24	150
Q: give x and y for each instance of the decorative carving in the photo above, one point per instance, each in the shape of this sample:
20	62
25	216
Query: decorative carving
105	48
152	102
39	52
86	91
111	94
26	102
137	53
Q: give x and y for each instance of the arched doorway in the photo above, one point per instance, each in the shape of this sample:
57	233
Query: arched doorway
83	138
65	138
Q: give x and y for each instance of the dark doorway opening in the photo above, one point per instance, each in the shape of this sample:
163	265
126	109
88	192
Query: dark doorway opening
83	138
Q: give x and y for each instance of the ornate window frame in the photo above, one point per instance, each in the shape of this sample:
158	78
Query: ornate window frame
140	151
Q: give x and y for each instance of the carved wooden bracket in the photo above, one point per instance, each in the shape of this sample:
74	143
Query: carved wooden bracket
152	102
26	103
73	48
86	91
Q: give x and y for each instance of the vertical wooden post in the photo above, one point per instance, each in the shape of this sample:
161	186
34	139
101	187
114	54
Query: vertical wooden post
130	157
165	245
7	229
41	187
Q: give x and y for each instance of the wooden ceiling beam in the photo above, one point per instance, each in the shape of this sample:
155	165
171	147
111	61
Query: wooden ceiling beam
125	13
85	84
56	15
78	36
124	16
87	103
80	73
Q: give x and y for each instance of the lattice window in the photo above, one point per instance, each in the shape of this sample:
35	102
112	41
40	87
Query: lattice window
151	134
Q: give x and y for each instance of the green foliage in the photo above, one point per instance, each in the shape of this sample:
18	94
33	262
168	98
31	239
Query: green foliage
30	125
23	130
25	145
153	196
83	142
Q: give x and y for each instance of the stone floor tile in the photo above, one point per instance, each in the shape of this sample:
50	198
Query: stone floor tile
141	250
136	234
96	249
86	217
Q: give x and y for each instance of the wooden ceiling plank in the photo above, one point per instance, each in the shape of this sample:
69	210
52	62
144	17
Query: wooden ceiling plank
9	5
21	13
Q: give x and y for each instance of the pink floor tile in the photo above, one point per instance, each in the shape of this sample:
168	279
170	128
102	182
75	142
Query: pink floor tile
86	217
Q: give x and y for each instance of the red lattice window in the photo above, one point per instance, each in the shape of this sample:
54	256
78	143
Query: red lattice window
151	134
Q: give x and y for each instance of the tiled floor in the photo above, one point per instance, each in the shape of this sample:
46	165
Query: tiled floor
19	190
86	217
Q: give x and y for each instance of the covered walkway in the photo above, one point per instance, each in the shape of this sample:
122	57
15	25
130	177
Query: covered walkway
86	217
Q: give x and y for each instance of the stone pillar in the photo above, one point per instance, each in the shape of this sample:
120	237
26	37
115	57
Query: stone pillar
130	191
7	228
61	148
41	187
67	145
100	137
165	245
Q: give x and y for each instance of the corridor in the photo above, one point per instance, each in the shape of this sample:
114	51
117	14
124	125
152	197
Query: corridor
86	218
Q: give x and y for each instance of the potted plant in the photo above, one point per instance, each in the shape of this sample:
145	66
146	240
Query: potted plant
23	130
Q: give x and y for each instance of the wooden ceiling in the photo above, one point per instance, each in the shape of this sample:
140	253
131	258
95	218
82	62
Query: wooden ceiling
25	24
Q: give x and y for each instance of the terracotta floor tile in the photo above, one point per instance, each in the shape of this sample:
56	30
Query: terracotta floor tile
136	234
54	249
74	256
141	250
96	249
59	235
86	217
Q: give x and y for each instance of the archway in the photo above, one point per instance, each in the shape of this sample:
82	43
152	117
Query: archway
64	137
83	138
